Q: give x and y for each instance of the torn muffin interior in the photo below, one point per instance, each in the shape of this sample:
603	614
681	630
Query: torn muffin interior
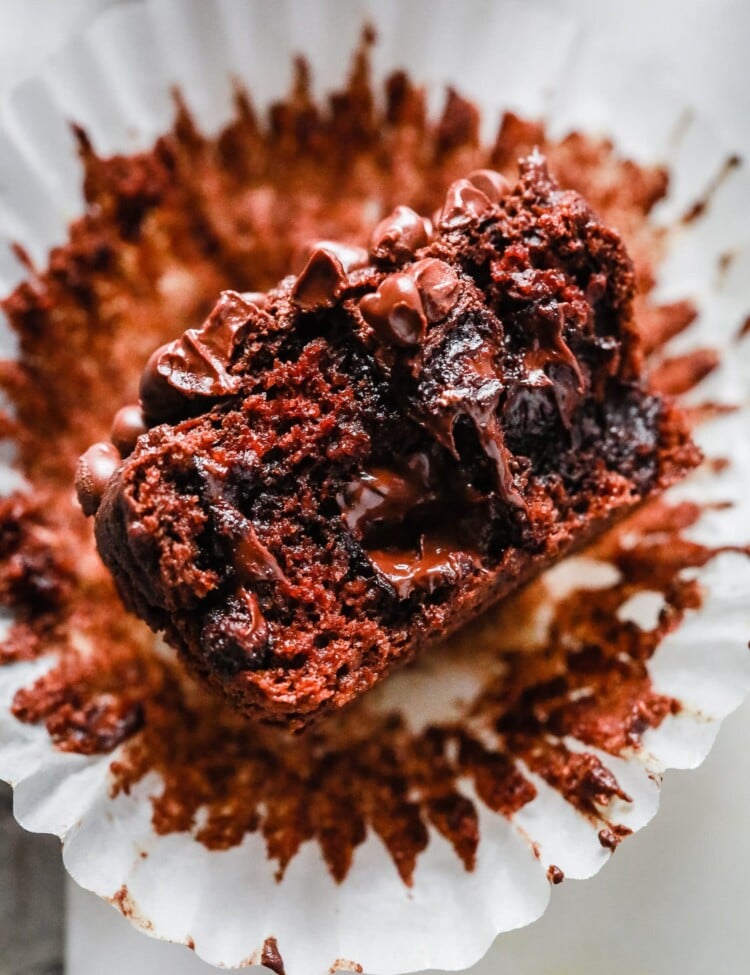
324	478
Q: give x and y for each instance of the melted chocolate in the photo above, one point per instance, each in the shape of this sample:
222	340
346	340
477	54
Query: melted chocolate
473	390
383	494
257	298
324	275
439	562
237	638
350	256
251	560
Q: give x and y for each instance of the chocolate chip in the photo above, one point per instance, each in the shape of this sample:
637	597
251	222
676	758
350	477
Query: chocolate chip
127	426
323	276
257	298
159	398
438	286
195	365
399	236
320	282
350	256
464	202
493	184
395	311
95	468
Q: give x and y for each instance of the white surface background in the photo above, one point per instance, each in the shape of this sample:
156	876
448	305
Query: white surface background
675	897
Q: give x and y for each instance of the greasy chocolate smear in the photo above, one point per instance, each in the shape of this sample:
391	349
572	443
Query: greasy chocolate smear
164	232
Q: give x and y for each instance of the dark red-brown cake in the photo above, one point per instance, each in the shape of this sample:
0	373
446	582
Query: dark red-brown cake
323	479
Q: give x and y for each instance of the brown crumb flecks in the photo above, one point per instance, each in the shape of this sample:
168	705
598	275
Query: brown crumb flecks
163	232
555	874
125	904
610	838
271	958
700	206
342	965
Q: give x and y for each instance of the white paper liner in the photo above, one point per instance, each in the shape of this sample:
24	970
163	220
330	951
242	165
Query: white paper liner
115	79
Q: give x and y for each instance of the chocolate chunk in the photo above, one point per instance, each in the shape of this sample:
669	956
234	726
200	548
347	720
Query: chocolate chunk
93	472
395	311
493	184
249	557
399	236
438	285
127	426
464	202
383	494
252	561
322	278
236	638
195	365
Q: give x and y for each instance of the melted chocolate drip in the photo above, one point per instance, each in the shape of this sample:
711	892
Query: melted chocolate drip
411	498
473	384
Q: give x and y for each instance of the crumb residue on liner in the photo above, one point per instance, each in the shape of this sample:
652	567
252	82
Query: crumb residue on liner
164	231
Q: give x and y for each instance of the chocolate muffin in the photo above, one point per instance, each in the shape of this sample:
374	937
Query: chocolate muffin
323	479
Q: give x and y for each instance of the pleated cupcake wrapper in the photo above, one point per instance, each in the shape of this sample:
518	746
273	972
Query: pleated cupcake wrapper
115	80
